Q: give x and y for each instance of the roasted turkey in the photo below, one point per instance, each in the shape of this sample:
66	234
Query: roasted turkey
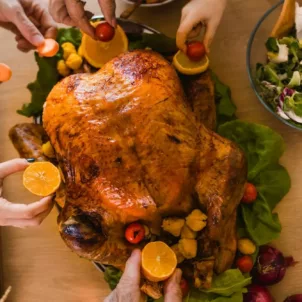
133	146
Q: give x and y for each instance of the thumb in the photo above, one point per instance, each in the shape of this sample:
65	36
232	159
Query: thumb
27	28
131	275
172	288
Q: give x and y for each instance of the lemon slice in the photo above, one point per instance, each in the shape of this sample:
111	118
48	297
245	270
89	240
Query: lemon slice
98	53
185	66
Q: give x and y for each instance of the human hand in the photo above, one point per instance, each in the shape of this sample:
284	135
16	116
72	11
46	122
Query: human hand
21	215
29	20
196	13
128	289
72	13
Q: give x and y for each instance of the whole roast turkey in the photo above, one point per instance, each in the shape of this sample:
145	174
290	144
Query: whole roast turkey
133	147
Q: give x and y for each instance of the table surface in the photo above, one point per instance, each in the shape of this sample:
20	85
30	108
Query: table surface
36	262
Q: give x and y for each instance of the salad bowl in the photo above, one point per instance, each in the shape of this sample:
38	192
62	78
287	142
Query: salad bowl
257	56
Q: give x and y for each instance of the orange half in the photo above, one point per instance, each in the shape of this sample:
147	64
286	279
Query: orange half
98	53
158	261
41	178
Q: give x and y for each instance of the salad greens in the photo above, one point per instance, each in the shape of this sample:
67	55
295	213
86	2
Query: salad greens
112	276
196	296
72	35
280	78
228	283
225	108
47	77
263	148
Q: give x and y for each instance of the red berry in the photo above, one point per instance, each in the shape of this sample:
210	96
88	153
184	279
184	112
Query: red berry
195	50
135	232
250	193
185	288
104	32
245	264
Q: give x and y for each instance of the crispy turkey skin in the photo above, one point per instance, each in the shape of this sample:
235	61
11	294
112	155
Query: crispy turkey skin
132	147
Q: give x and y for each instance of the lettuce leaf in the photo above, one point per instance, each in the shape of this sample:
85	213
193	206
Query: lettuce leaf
47	77
227	287
236	297
272	183
197	296
72	35
112	276
263	147
261	224
228	283
225	107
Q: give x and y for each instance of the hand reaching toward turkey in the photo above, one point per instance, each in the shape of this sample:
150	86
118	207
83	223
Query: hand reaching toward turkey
195	14
29	20
128	289
72	13
21	215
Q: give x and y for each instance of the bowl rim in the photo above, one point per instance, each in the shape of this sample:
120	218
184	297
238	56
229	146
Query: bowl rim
249	67
150	5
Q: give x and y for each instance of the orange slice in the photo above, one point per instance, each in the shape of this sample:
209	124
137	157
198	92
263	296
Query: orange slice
5	73
49	48
286	20
41	178
158	261
186	66
98	53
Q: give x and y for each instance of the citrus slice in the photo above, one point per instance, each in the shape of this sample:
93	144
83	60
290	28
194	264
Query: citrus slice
185	66
41	178
49	48
97	53
158	261
5	73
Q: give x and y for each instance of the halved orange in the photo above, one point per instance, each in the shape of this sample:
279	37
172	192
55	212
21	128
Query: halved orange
158	261
41	178
97	53
186	66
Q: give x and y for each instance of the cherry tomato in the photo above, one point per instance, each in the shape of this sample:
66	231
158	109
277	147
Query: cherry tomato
250	193
184	285
245	264
195	50
104	32
135	232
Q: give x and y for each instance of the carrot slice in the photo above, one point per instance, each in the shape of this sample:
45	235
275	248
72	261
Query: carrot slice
5	72
49	48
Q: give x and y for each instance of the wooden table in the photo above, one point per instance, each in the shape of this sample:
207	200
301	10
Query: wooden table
37	263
